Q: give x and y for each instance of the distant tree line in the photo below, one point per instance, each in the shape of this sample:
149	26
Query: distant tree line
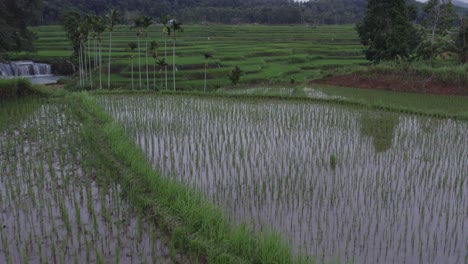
389	33
15	16
219	11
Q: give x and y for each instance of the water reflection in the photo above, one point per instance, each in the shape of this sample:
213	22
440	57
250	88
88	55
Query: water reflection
268	164
380	128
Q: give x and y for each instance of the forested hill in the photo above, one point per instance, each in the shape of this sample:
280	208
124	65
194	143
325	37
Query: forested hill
221	11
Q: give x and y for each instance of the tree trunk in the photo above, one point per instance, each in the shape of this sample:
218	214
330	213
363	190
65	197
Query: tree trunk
147	71
173	62
100	64
90	64
165	56
205	77
110	51
132	75
139	60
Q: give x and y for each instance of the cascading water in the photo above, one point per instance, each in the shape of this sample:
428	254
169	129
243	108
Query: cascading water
24	69
38	73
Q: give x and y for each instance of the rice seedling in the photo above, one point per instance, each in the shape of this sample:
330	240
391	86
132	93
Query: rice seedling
56	203
327	177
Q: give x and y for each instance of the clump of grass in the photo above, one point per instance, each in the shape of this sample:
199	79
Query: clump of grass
14	88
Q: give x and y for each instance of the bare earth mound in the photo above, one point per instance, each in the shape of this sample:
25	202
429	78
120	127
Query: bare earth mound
396	82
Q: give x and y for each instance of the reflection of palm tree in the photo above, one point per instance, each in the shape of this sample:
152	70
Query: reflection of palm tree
175	26
166	32
207	56
137	24
154	53
112	19
132	46
162	64
145	23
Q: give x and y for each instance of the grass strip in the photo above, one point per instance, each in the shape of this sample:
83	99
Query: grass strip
195	224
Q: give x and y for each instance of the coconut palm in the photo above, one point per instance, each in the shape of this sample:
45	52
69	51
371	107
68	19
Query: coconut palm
162	64
132	46
99	27
166	32
84	35
154	53
112	19
145	23
175	26
207	57
138	24
90	25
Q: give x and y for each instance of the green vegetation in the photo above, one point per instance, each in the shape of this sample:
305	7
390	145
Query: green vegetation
15	17
14	88
266	54
387	31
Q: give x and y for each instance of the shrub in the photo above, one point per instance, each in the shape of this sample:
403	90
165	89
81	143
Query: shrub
13	88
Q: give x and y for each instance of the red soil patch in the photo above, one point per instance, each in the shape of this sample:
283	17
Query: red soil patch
394	82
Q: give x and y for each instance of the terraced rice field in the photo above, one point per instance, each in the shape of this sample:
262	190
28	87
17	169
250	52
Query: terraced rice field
339	183
266	54
58	203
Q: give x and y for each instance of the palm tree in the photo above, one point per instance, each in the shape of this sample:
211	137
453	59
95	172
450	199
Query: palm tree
132	46
90	25
166	32
162	64
112	19
175	26
207	56
137	24
83	29
154	52
145	23
99	27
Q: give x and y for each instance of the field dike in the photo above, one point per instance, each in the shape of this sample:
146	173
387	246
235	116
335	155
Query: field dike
195	225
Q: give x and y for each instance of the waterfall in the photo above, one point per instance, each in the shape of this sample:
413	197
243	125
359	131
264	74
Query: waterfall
24	69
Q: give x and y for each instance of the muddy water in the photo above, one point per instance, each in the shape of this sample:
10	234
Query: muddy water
57	205
398	192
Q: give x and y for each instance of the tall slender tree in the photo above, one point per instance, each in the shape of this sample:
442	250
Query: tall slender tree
175	26
99	27
146	21
162	64
84	32
207	57
138	24
166	32
90	24
439	17
154	53
132	46
112	19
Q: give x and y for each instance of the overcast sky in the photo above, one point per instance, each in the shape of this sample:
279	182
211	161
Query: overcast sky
466	1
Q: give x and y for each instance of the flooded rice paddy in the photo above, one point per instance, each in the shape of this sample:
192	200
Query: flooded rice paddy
59	205
337	182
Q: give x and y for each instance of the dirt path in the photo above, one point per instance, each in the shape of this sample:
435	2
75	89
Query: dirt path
395	82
